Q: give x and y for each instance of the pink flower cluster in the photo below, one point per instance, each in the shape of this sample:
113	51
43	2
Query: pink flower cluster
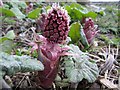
55	24
90	29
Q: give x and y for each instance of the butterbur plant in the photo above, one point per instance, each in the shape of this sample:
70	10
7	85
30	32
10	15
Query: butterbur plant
51	47
90	29
54	26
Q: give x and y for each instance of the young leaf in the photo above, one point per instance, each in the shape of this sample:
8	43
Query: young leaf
78	6
17	3
34	14
91	14
7	46
9	21
78	14
83	38
6	43
18	13
10	35
74	32
2	39
82	67
6	12
68	8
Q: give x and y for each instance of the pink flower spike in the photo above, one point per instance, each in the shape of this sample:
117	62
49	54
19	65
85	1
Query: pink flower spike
90	29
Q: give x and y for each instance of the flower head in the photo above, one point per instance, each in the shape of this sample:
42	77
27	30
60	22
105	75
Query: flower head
90	29
55	24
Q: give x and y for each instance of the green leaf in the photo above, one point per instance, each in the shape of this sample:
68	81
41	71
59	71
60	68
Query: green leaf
7	46
28	64
9	21
90	71
80	56
91	14
74	32
6	6
17	3
34	14
12	64
18	13
78	14
68	8
48	7
83	38
76	76
102	13
2	39
61	82
116	40
106	39
78	6
10	35
6	43
75	13
6	12
22	4
69	64
81	67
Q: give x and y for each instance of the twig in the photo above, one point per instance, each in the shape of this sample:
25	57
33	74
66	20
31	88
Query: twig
27	77
112	77
20	82
108	83
117	52
95	57
54	87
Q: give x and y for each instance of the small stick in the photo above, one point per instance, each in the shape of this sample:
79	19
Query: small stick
95	57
